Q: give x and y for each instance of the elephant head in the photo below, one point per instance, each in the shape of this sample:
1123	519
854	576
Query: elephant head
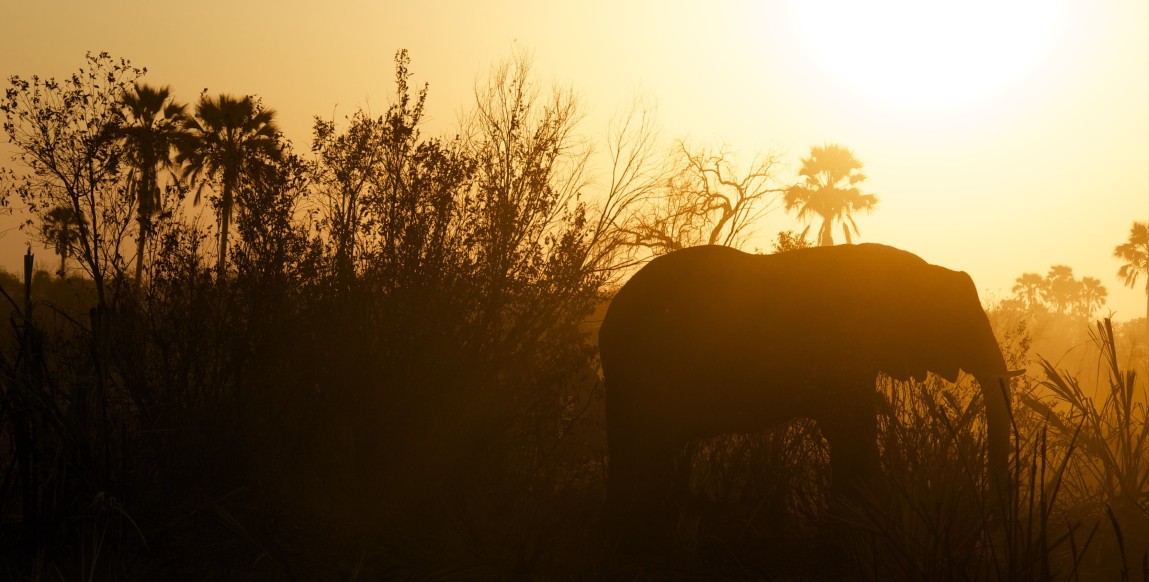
711	340
950	332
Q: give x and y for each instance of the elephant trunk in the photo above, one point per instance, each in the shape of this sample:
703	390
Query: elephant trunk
997	415
994	382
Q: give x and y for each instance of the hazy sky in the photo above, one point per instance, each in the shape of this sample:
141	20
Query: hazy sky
1000	137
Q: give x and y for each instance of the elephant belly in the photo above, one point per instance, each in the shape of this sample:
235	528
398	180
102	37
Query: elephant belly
718	404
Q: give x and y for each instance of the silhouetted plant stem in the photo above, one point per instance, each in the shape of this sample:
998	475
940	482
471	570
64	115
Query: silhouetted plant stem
21	418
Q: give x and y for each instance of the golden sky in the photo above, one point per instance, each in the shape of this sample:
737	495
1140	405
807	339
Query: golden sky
1001	137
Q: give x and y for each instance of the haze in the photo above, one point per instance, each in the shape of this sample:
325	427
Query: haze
416	328
1002	162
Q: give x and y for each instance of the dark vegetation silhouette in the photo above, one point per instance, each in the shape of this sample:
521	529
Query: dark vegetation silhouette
229	140
150	130
379	360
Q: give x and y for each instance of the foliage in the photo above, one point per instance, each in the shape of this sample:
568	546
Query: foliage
64	132
228	140
348	163
1135	253
788	241
150	129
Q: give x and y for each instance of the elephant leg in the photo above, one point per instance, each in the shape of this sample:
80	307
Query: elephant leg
854	462
642	493
683	469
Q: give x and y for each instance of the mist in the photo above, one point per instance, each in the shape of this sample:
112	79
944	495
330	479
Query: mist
405	347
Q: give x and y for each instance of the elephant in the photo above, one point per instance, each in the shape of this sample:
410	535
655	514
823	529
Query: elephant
710	340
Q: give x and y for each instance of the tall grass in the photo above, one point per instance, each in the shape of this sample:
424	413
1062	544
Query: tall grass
1079	503
1109	481
1076	508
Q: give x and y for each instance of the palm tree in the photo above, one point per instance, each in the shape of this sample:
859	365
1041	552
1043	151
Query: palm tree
1030	287
230	140
1093	295
829	190
60	229
1061	289
151	127
1135	253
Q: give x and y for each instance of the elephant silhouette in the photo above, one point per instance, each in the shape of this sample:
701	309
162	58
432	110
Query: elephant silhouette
711	340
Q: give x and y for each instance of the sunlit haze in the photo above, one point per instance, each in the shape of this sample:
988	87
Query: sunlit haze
928	54
1000	137
505	289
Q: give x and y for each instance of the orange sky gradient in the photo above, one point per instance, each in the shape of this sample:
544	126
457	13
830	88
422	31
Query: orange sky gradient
1000	138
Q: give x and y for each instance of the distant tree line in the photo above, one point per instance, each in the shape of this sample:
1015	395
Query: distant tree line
1060	292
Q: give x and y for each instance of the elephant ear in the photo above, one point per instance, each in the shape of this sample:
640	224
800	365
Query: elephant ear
963	338
959	325
924	321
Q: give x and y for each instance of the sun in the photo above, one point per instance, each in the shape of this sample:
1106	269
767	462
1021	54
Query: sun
927	53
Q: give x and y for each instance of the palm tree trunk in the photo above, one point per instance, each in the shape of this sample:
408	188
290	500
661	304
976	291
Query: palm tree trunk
825	234
225	224
140	242
62	249
221	267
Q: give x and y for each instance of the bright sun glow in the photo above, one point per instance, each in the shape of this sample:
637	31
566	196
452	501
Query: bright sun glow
927	53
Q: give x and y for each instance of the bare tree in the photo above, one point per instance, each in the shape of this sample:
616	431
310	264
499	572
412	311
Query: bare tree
637	174
705	202
530	172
